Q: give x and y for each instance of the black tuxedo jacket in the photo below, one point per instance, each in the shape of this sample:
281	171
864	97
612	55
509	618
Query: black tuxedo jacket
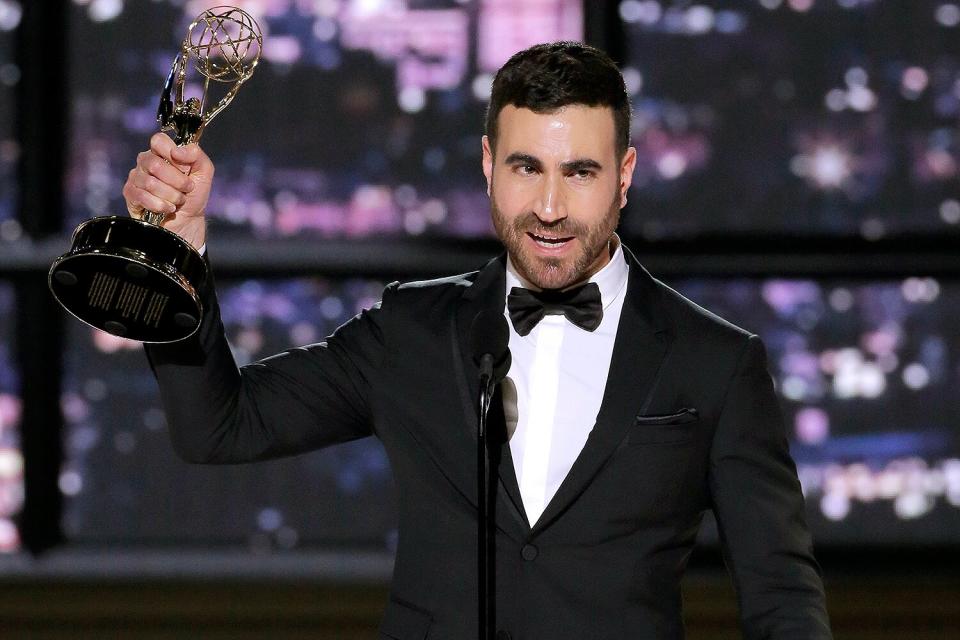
689	422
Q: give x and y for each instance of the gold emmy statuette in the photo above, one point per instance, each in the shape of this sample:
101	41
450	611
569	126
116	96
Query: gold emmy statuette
129	276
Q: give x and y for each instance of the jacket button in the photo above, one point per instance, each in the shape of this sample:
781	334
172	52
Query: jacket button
529	552
503	635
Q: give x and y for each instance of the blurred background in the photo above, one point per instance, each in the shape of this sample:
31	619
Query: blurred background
798	174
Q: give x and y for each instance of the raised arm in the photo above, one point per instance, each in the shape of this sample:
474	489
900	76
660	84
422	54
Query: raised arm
293	402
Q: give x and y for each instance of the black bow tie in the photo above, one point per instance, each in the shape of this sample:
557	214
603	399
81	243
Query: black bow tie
581	306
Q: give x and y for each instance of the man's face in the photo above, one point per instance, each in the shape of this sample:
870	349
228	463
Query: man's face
556	190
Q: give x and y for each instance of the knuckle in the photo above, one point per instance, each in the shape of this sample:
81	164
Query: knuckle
154	165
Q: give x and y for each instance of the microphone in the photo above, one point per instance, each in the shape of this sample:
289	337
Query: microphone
489	345
489	339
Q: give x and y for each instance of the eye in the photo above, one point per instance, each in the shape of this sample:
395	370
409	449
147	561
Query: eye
526	169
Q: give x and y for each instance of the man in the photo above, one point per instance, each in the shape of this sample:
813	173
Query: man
622	429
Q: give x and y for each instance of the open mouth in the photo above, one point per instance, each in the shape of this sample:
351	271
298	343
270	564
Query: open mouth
550	242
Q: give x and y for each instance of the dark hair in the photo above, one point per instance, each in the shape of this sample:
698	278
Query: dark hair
548	76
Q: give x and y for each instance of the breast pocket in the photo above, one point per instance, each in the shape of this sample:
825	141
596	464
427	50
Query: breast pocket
667	428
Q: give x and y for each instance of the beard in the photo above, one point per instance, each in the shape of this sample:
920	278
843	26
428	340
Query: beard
555	273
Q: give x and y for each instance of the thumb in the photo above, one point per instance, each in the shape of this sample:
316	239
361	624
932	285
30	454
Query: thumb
184	157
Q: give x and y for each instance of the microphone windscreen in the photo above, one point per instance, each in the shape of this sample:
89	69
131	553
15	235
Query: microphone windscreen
489	333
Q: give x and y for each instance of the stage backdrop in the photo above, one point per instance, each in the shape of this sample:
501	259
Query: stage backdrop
763	117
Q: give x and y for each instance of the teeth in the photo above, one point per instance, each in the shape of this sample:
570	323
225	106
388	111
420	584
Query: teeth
548	242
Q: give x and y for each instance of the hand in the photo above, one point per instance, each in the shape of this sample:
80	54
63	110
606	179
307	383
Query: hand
174	181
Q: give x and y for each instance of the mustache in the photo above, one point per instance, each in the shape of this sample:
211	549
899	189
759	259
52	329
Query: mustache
533	224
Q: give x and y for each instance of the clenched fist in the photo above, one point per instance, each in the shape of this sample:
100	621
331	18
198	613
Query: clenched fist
174	181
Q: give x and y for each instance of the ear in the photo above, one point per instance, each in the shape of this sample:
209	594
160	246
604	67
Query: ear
627	166
487	162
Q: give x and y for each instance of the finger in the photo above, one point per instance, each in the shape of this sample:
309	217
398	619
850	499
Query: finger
149	163
193	156
162	145
138	199
158	188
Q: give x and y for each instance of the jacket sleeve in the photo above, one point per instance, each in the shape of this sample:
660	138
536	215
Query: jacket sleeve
295	401
760	511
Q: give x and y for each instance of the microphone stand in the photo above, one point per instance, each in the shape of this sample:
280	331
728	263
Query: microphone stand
484	521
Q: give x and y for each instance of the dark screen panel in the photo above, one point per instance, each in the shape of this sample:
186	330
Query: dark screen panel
363	119
794	117
10	13
11	460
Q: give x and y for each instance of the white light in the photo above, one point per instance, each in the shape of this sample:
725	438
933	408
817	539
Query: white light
105	10
631	10
331	308
11	464
434	210
632	80
855	76
367	8
71	483
934	482
836	99
412	99
414	222
948	15
481	86
872	381
671	164
919	290
835	506
829	166
771	4
730	22
269	520
914	81
324	29
916	376
889	484
699	19
794	388
861	99
652	12
910	506
950	211
862	482
283	50
9	537
841	299
10	15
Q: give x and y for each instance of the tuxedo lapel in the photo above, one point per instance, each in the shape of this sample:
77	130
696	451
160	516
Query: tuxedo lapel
486	294
640	347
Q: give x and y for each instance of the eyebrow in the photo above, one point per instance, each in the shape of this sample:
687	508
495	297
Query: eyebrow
570	166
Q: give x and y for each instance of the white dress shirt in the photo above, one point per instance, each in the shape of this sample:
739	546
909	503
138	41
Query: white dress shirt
553	391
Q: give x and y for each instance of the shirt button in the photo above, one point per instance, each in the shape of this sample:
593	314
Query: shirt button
503	635
529	552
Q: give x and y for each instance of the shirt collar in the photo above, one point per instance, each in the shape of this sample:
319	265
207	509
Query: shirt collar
610	279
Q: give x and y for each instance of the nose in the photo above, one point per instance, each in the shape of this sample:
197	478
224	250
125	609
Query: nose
551	204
